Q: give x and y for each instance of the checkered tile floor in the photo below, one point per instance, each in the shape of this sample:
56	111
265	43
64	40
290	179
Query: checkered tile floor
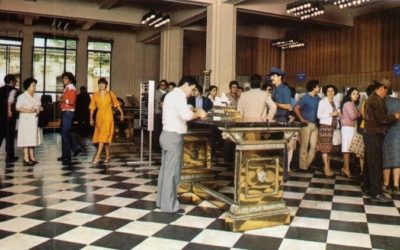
112	206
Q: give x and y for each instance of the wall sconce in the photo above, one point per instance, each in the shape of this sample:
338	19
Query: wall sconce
305	9
287	44
155	19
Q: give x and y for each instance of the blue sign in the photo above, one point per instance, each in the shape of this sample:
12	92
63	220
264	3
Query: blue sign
396	69
301	77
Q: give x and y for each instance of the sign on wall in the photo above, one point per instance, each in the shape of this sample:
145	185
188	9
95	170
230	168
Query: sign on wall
396	69
301	77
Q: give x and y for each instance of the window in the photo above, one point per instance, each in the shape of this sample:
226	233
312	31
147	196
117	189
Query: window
99	63
52	57
10	57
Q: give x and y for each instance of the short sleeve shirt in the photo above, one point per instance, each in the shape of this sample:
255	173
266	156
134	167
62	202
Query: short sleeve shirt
309	106
281	95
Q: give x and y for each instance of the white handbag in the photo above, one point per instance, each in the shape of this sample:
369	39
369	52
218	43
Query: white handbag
337	137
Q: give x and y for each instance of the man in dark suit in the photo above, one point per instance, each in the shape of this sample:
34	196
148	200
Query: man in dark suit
8	115
199	101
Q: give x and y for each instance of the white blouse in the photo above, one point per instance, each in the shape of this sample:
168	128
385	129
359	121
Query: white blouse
324	111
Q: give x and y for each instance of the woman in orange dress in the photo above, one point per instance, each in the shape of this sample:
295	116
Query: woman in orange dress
103	100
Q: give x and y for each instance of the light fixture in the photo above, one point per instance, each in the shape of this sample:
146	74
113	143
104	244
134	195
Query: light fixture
149	16
286	43
155	19
60	24
305	9
349	3
166	19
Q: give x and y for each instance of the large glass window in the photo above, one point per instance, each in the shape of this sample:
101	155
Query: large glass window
52	57
10	57
99	63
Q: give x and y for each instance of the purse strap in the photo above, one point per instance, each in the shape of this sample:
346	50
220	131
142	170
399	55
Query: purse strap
112	103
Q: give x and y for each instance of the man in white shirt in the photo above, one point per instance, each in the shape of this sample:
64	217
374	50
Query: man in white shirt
175	114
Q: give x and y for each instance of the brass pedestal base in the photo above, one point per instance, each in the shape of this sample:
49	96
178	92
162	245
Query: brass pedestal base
257	220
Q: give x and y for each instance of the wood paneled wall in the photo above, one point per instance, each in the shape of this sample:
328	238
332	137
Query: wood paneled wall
255	56
350	56
194	53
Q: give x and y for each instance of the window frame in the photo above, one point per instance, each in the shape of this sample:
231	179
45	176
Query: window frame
18	76
97	40
45	47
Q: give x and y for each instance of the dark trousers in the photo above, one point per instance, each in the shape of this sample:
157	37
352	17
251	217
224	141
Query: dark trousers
68	142
373	171
7	131
157	131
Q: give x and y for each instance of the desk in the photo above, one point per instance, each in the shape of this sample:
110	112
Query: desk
258	173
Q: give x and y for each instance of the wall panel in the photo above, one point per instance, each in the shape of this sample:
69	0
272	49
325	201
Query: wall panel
350	56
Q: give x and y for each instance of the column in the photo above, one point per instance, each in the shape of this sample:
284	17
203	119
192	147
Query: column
221	43
27	46
171	54
81	61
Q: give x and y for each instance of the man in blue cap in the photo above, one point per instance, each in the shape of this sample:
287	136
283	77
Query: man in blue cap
280	95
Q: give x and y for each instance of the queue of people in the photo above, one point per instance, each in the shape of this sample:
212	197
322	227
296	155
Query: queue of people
373	128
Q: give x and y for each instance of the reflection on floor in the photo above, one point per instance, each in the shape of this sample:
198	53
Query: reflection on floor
112	206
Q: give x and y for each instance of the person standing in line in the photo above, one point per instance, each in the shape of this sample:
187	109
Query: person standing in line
280	95
82	109
348	121
175	114
103	100
256	103
199	101
212	93
328	115
8	116
306	110
67	105
29	134
377	122
160	91
391	149
233	96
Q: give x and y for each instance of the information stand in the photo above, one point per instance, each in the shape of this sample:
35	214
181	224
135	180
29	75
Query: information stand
146	120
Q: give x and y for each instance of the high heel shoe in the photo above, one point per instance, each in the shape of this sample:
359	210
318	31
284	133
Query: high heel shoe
34	162
328	173
107	160
95	161
346	174
27	163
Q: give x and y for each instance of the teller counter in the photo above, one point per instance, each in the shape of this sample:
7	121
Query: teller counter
255	199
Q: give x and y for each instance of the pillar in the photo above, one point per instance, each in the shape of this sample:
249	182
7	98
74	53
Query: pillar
221	44
171	54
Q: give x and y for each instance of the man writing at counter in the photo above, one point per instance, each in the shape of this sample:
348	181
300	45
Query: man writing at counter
175	114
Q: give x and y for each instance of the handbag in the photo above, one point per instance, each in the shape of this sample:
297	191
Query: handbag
115	111
357	145
43	119
337	137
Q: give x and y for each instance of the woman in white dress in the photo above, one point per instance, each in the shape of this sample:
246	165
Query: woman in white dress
29	134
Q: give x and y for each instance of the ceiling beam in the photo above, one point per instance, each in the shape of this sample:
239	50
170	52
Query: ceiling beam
28	20
234	2
87	25
108	4
86	10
